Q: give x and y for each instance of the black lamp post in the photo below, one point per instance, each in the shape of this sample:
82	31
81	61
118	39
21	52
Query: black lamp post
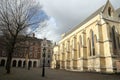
43	67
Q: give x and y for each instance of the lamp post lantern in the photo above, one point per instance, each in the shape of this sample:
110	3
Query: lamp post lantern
43	67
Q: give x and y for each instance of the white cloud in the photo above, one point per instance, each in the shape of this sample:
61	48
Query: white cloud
65	14
50	31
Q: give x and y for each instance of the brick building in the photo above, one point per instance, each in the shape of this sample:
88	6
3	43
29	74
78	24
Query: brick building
28	53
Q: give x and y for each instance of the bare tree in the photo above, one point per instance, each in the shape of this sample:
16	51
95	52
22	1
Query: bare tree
16	16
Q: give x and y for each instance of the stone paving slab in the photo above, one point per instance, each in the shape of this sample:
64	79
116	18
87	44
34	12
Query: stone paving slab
35	74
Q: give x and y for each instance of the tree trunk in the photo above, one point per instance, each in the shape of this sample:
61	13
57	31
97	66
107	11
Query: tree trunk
8	64
9	57
10	52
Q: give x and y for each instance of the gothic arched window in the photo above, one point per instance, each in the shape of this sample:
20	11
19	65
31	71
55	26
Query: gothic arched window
80	44
113	37
79	50
93	44
109	11
73	44
80	40
89	43
94	48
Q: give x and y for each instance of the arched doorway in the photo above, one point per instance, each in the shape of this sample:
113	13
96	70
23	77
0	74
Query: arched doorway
34	64
19	63
14	63
24	63
30	63
2	62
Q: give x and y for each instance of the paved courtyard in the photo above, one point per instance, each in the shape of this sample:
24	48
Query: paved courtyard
35	74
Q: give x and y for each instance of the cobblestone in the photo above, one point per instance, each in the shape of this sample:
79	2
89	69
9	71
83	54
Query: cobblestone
35	74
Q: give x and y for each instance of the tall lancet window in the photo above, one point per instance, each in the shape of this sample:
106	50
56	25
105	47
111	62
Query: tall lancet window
113	38
80	44
93	44
109	11
73	49
89	43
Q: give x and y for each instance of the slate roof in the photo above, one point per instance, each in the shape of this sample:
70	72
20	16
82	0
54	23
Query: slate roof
86	20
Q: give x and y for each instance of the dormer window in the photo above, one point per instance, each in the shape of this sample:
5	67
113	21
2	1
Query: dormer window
109	11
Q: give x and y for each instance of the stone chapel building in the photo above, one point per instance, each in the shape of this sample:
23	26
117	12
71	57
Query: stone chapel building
93	45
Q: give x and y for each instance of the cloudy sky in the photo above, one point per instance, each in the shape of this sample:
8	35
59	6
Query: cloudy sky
63	15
